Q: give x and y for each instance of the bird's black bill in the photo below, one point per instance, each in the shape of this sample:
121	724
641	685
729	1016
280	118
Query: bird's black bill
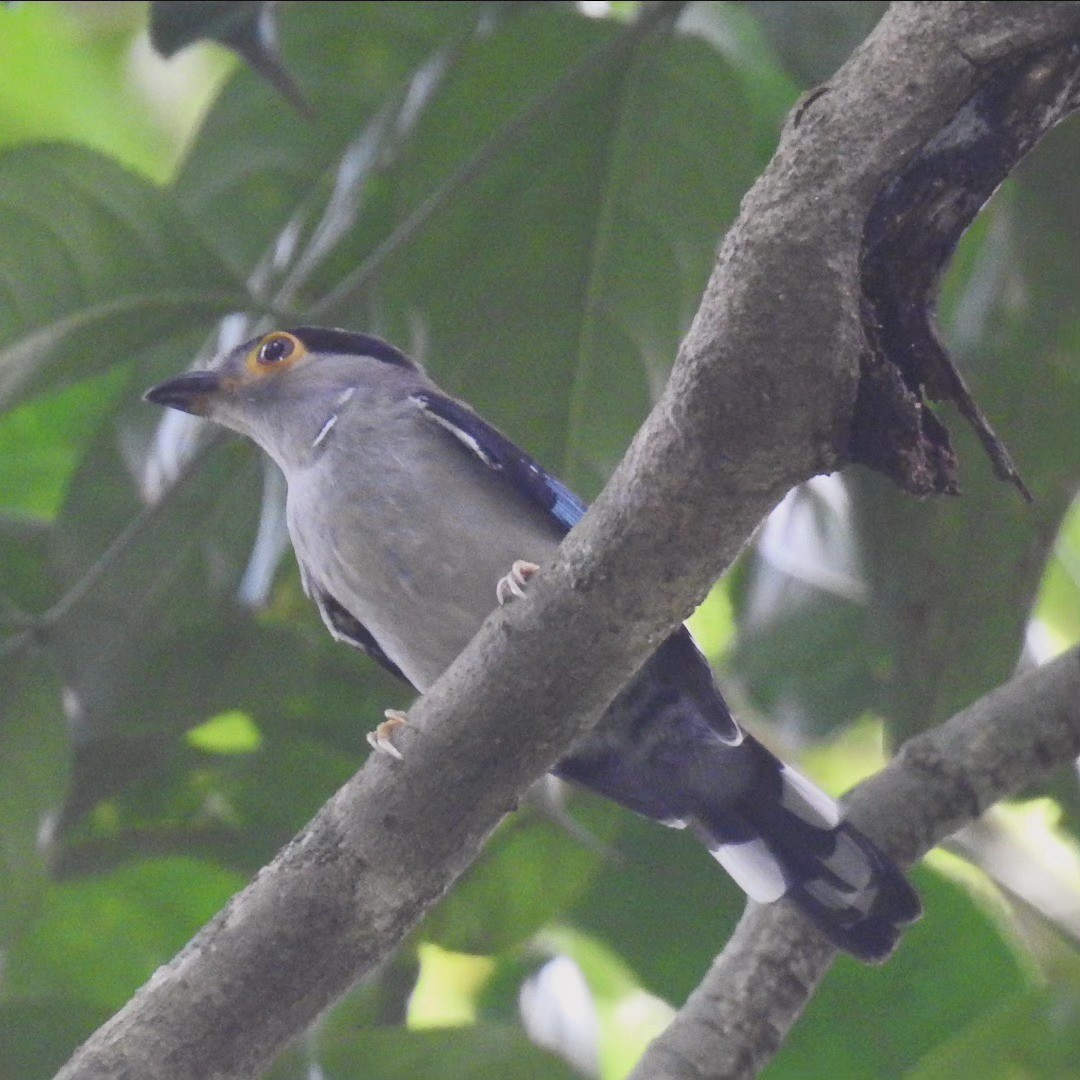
186	392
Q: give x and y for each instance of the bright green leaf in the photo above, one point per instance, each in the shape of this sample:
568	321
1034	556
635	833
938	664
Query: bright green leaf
232	732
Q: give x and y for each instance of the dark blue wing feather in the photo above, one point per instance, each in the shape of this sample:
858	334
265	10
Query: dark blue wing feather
526	476
349	629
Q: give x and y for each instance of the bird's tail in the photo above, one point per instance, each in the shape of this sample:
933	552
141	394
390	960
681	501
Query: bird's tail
785	837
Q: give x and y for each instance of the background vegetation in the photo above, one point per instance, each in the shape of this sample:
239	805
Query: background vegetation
526	197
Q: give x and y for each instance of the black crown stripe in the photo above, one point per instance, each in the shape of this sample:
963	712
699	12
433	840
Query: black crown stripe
329	339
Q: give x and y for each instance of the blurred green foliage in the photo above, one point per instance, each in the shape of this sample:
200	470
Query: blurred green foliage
528	199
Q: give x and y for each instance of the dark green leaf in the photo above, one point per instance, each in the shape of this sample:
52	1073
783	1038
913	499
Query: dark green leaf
26	584
34	762
470	1053
42	441
1037	1037
528	875
174	26
126	603
98	939
815	39
663	905
37	1037
633	246
97	263
248	28
251	153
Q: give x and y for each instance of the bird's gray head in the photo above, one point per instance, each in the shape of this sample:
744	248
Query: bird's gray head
280	387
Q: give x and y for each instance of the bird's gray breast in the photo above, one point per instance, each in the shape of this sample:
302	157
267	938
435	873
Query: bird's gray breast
410	533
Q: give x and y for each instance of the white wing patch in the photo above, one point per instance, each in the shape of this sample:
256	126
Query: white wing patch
807	800
754	868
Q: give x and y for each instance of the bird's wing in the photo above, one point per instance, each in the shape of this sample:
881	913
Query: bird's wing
498	453
679	656
347	628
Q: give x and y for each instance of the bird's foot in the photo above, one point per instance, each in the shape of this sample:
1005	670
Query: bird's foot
381	738
513	585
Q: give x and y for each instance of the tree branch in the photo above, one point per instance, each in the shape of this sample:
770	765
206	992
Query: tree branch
761	398
735	1021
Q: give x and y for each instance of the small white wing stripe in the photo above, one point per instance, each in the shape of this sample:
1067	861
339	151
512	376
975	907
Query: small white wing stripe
462	436
325	430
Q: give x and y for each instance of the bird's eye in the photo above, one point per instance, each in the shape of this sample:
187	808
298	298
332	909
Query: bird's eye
275	349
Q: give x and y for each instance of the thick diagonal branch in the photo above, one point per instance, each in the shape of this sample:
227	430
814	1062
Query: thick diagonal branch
760	399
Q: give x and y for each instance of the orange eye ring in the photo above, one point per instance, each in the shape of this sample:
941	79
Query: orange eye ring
276	351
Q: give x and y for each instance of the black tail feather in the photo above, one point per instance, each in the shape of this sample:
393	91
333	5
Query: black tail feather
802	849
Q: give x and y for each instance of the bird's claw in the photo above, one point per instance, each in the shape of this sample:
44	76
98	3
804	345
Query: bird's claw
513	585
381	738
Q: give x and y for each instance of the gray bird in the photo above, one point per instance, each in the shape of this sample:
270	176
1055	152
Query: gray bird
411	516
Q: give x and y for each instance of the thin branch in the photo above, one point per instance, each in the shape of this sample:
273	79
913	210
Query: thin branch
760	399
735	1021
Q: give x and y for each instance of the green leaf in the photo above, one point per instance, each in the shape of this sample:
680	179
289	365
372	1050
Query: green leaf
312	700
1036	1037
98	939
663	905
583	105
38	1036
174	26
98	264
450	1054
232	732
42	441
815	39
248	28
77	74
34	762
127	601
800	649
629	1018
26	584
1057	611
251	153
528	874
